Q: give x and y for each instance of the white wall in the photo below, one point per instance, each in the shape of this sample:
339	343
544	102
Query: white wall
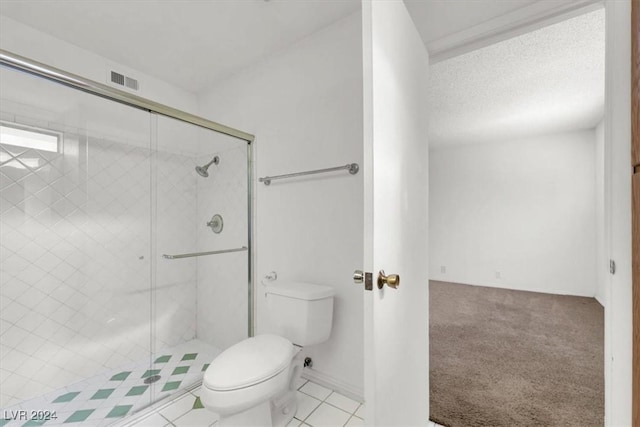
602	261
525	209
305	108
26	41
618	315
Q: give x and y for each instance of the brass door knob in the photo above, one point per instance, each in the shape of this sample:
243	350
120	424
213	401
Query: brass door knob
392	280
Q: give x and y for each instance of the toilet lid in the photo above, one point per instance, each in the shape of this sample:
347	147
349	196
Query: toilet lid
249	362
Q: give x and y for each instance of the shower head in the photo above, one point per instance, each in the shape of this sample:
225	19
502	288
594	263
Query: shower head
202	170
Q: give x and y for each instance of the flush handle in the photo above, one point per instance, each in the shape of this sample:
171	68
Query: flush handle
392	280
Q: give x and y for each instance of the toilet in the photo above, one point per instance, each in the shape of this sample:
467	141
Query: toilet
253	383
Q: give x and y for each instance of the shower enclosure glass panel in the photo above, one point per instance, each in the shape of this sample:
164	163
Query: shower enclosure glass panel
75	248
95	323
200	302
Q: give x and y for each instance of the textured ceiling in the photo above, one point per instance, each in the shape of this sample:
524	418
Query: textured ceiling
189	43
549	80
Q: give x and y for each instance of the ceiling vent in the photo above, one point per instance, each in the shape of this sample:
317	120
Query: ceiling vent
126	81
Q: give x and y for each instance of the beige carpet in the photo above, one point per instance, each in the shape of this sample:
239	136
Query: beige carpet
511	358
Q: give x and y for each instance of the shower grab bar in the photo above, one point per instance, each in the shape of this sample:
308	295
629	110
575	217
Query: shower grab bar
244	248
353	169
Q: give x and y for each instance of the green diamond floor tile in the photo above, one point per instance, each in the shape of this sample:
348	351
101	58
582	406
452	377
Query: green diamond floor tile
137	390
150	373
119	411
180	370
171	385
79	416
34	423
102	393
189	356
198	404
116	395
68	397
121	376
163	359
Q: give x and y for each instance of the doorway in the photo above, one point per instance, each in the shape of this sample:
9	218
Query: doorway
517	229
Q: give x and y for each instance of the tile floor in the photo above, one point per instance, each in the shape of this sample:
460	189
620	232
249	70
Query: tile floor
112	395
318	406
107	400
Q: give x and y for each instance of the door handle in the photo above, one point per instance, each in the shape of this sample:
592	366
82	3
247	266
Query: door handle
360	276
392	280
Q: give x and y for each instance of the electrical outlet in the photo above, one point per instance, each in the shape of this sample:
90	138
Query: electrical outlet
443	269
498	275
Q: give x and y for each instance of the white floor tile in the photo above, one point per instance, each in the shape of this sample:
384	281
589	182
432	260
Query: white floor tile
155	420
360	412
342	402
306	404
179	407
327	416
354	422
196	418
294	423
300	382
315	390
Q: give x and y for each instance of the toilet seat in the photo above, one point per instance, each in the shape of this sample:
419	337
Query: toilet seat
248	363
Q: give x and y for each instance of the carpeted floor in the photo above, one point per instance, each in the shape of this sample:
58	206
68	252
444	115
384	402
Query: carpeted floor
500	357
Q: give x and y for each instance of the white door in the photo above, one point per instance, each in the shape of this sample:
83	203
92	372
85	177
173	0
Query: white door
396	321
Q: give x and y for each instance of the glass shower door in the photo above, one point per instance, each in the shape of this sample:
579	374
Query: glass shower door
124	254
75	248
201	300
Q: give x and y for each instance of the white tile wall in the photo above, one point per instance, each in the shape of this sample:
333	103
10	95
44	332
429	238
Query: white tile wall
176	231
75	252
222	279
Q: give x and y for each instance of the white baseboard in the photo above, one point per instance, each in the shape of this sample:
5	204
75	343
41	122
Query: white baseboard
349	390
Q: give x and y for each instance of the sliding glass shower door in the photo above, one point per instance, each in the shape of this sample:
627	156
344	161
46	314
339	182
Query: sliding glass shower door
201	298
75	245
124	270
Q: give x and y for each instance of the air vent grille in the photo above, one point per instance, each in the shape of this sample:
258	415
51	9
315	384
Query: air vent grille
131	83
126	81
117	78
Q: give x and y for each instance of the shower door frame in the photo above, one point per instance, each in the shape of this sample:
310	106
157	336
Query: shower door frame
21	63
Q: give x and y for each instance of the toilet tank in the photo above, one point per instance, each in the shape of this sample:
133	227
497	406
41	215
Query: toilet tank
301	312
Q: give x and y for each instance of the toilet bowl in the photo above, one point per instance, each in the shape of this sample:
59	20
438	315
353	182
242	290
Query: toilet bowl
256	372
252	383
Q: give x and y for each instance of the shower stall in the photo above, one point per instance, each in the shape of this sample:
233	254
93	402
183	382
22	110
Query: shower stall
125	247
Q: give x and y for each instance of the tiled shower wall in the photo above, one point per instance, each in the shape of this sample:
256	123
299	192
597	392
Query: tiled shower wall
175	296
75	253
222	279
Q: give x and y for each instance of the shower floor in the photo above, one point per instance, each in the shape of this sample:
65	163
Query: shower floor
106	398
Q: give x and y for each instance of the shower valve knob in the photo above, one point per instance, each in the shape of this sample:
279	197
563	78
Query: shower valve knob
216	224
